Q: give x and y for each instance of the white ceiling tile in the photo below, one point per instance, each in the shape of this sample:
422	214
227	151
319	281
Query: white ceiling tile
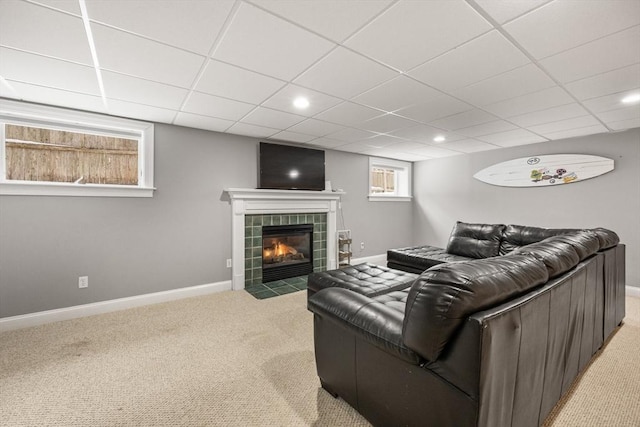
327	142
628	113
272	118
139	111
407	157
433	109
283	100
625	124
400	92
27	67
292	137
132	89
406	146
530	102
514	83
202	122
607	83
505	10
572	133
71	6
434	151
564	24
354	147
348	114
380	141
468	146
486	128
214	106
386	123
344	74
481	58
561	125
189	24
315	127
424	133
335	19
512	138
423	30
63	98
144	58
251	130
463	120
236	83
259	41
351	135
44	31
553	114
461	78
608	102
606	54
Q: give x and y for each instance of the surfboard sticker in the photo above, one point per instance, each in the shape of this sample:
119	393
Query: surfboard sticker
542	171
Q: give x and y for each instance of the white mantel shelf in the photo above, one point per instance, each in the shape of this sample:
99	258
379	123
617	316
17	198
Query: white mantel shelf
250	201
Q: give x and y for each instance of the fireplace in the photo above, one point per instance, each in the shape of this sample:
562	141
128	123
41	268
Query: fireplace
287	251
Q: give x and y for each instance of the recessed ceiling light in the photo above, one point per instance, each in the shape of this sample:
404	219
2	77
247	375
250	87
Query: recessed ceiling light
631	99
439	138
301	102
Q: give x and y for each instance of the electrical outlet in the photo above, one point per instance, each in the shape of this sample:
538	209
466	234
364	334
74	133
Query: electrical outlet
229	263
83	282
362	246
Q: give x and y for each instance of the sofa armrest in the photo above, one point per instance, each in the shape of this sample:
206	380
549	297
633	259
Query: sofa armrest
368	319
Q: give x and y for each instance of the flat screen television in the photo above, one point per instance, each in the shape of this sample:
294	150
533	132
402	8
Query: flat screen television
285	167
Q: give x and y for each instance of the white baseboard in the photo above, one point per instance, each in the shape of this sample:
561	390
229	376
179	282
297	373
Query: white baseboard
67	313
632	291
375	259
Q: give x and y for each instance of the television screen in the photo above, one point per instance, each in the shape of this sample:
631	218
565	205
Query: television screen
286	167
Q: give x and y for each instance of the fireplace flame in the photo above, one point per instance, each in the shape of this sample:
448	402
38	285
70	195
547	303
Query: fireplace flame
278	249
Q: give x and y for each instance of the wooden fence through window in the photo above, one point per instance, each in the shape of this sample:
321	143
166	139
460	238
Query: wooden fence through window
37	154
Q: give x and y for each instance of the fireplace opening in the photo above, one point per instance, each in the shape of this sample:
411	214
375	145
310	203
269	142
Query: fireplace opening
287	251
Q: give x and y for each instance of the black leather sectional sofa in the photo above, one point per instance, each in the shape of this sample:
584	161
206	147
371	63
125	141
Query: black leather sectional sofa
492	339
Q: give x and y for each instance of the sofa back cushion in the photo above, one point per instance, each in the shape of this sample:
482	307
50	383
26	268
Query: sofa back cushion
607	238
475	240
516	236
558	256
585	242
445	295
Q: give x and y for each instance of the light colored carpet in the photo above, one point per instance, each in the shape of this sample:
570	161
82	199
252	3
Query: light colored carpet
228	359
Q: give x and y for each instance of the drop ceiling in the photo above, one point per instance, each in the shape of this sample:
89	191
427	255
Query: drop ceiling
383	77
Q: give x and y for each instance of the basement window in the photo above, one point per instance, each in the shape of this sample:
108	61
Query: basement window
57	152
389	180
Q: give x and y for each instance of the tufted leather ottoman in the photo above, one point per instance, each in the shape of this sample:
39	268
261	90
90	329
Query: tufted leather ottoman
366	279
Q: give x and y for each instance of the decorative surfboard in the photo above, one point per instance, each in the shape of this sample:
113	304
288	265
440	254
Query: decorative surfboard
541	171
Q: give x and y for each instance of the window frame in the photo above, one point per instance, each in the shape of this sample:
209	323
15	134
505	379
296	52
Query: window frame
77	121
403	177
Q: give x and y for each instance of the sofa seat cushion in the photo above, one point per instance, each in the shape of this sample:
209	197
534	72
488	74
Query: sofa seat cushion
443	296
475	240
421	257
366	279
558	256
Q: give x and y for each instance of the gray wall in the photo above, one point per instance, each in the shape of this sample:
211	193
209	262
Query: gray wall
181	237
445	191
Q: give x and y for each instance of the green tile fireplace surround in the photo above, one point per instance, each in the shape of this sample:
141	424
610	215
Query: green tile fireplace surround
253	241
252	208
